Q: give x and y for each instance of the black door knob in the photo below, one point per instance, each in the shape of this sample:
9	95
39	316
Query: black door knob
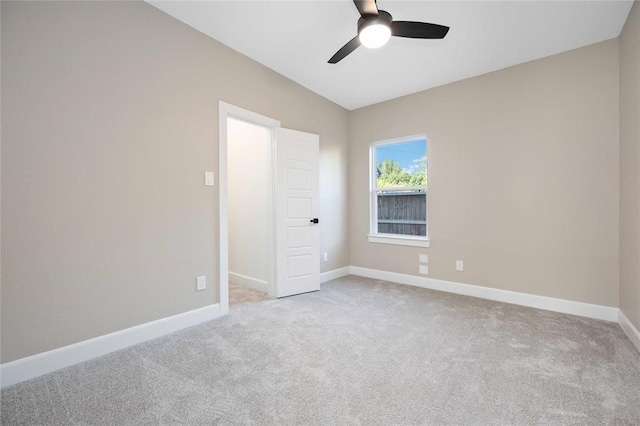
314	220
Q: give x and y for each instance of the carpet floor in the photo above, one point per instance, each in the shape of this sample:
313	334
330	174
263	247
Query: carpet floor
358	352
239	294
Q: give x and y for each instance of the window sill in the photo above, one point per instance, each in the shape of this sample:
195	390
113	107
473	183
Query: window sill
399	240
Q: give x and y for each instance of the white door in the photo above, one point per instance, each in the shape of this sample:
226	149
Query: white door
297	229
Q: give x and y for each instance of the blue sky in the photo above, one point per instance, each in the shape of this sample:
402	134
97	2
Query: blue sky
408	154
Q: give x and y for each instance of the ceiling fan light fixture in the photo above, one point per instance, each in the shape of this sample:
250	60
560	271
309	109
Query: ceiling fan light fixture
376	26
375	35
375	30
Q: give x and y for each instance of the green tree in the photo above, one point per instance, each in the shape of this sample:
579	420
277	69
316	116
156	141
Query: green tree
391	174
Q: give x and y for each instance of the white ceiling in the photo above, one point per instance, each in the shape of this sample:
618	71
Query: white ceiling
296	38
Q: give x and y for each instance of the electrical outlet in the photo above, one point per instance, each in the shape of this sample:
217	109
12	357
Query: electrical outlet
459	265
423	269
326	256
201	283
423	258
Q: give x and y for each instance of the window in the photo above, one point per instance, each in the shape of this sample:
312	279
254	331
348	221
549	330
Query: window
399	192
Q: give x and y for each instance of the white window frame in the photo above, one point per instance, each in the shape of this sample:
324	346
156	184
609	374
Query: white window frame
374	236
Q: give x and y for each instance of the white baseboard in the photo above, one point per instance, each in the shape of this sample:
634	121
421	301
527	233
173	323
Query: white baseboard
47	362
336	273
605	313
250	282
629	329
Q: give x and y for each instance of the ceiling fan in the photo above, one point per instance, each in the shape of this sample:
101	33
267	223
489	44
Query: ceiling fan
375	27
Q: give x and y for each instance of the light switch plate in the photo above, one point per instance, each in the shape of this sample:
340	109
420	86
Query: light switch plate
201	282
423	258
208	178
423	269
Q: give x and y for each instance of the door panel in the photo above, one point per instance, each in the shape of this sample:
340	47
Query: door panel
298	266
299	179
299	237
299	208
297	194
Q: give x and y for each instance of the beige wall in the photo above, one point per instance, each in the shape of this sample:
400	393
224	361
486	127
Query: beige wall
109	119
630	167
523	177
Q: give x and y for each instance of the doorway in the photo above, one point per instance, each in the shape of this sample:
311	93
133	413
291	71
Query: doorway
250	204
225	112
293	246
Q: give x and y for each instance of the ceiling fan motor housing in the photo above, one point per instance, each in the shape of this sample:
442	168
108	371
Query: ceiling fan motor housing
382	18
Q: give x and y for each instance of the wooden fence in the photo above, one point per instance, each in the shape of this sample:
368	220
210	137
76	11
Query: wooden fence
402	213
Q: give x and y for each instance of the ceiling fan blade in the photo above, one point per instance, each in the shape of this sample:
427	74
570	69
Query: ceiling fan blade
418	29
366	7
345	50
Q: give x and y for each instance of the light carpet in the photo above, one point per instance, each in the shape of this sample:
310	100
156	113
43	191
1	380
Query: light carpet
358	352
240	294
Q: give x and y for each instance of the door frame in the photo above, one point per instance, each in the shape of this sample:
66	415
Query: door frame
225	111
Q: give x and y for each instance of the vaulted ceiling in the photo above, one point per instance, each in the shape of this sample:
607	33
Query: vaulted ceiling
296	39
